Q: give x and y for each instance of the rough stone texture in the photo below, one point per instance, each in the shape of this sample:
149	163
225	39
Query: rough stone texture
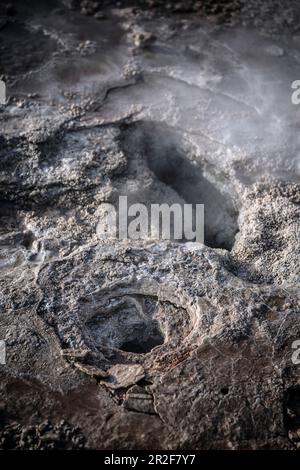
149	344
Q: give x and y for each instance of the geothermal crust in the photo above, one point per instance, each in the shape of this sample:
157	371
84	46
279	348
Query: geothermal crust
149	344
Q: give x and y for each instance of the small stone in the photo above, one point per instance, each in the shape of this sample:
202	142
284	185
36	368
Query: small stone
84	11
138	399
99	15
124	375
90	370
143	39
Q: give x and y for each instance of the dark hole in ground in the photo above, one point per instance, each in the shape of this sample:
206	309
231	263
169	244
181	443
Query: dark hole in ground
169	162
144	339
224	390
127	324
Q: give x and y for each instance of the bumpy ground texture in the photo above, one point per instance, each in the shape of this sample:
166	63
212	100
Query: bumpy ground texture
144	344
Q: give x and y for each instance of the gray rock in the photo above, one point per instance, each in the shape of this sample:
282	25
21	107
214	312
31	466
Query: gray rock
124	375
137	399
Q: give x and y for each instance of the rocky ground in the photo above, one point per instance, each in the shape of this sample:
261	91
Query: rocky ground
149	344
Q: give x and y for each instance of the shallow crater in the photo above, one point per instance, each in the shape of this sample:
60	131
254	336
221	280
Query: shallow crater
135	323
175	164
128	323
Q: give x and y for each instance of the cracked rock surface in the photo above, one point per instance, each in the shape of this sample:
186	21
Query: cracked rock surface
149	344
